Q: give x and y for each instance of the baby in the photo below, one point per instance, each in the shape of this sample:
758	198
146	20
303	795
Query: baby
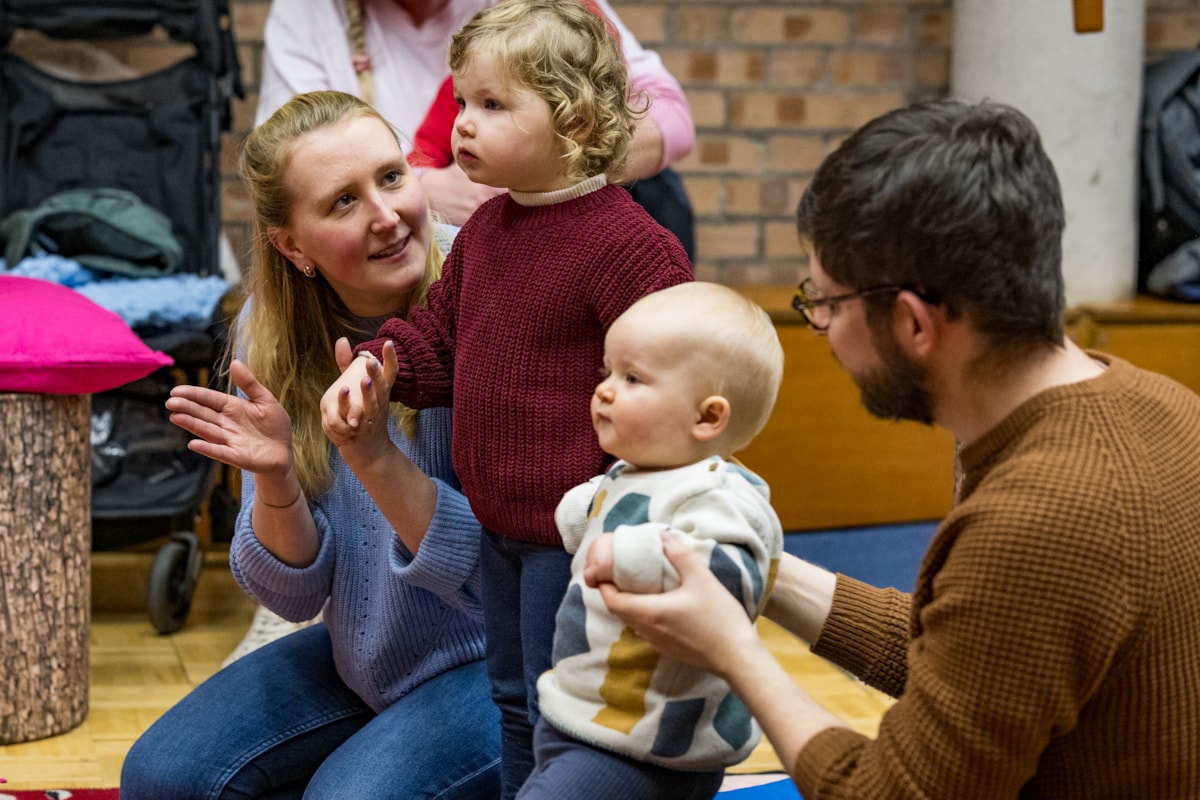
691	374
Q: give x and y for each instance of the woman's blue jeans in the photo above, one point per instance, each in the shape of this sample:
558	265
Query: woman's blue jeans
279	723
523	586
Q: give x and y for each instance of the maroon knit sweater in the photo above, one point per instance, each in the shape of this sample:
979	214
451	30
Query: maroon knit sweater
513	340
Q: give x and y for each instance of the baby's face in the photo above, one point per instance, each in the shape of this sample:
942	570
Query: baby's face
646	406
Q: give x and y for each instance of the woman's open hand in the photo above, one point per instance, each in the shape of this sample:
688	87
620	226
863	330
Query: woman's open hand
251	433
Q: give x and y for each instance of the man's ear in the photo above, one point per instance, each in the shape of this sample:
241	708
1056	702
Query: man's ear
286	244
917	324
713	418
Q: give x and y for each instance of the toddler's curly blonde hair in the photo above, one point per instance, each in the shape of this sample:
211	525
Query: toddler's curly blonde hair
563	51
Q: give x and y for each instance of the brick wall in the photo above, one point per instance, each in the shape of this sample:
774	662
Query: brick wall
773	86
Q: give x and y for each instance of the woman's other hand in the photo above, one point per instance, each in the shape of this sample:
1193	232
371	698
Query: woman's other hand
370	441
252	433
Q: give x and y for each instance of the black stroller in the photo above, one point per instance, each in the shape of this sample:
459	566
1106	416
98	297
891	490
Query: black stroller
157	136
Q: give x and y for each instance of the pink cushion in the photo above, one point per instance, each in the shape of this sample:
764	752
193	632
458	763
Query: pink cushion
54	340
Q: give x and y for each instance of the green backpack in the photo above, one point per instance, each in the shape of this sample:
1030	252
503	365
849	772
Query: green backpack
104	228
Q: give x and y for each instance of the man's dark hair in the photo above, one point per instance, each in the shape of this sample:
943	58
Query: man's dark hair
957	201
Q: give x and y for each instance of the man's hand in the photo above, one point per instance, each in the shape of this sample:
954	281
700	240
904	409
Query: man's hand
599	566
699	623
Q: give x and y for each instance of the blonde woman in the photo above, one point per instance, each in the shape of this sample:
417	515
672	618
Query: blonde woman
388	696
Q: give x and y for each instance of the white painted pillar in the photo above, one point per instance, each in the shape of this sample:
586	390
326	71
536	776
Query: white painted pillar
1083	91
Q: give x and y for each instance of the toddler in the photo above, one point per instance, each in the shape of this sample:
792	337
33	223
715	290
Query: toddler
512	333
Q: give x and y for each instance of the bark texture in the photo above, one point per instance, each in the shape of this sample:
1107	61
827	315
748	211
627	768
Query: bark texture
45	563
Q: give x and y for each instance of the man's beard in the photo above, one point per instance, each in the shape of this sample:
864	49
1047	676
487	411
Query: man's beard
897	389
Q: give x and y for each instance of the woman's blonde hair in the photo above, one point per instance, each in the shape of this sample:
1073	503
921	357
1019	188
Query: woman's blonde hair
564	52
287	336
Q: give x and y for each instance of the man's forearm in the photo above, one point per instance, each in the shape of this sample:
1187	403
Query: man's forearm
801	597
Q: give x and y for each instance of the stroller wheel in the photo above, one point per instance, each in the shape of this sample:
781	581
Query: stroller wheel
173	582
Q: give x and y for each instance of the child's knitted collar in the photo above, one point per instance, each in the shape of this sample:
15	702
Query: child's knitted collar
586	186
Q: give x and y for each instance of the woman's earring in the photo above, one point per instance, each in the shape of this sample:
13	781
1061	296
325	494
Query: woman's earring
308	270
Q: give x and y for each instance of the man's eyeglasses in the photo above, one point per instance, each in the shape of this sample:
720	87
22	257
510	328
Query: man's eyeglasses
818	310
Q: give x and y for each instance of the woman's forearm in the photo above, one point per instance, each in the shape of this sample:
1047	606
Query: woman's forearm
282	520
405	495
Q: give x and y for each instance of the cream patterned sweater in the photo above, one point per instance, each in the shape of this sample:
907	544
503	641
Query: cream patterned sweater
609	688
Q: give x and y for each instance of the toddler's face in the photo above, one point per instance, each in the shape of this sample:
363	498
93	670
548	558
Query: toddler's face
648	401
504	134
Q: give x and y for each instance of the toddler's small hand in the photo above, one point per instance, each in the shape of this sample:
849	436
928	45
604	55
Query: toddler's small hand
342	404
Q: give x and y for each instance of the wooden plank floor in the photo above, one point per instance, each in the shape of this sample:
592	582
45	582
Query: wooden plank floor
136	674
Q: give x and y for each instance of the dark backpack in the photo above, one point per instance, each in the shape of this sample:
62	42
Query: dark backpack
1169	217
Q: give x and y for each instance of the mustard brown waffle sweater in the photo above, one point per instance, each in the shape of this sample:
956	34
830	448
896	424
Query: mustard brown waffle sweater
1052	646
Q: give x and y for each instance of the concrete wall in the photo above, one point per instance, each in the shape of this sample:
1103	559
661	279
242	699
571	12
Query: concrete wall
1082	92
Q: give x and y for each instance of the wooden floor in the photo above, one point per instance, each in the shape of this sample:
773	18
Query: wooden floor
136	674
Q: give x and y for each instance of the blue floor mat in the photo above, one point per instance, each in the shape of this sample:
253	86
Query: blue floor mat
776	790
883	555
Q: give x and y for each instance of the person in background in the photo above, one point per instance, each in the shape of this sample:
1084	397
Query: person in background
514	330
1051	646
690	377
389	697
392	53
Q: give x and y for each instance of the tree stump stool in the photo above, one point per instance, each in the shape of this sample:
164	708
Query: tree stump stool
45	563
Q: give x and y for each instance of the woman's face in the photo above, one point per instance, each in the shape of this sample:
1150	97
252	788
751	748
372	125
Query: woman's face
358	215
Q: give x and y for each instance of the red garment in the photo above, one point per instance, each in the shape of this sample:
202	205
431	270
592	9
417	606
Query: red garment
431	143
513	339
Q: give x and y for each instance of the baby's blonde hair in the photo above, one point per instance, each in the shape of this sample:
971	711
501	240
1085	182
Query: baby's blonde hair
732	345
563	52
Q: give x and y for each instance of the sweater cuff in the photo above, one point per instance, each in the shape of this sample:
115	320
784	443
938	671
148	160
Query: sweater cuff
847	624
449	553
830	754
294	593
670	112
865	634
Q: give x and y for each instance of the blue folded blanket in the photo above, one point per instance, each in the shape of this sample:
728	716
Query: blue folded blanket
178	302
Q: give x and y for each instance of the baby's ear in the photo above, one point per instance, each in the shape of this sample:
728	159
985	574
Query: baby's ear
713	418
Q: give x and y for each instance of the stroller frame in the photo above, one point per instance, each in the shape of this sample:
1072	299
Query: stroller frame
158	136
